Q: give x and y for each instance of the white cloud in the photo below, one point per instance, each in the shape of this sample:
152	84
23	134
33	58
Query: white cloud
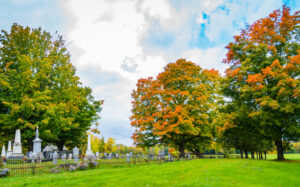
105	46
207	59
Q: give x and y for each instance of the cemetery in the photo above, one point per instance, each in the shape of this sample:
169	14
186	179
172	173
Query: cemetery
149	93
50	160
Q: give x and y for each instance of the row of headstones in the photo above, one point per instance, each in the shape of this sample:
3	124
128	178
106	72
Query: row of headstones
16	152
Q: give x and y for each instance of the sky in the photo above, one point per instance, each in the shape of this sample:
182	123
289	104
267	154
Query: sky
113	43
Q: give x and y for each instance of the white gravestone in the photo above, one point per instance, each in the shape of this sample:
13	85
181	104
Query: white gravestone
97	155
30	155
17	147
33	157
63	157
76	154
169	156
9	151
55	157
39	157
89	147
70	157
37	142
128	157
3	154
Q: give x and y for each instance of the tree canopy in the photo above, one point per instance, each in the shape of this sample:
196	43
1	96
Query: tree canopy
263	78
176	107
39	87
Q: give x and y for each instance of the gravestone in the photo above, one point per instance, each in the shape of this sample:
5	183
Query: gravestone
89	147
39	157
76	154
109	156
9	151
17	147
30	155
188	156
55	157
97	155
70	157
128	157
161	155
37	143
117	155
3	154
33	157
63	157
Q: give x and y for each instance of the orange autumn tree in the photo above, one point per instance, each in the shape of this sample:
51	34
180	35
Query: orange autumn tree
264	73
176	107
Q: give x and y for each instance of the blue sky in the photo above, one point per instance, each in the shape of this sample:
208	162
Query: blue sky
115	42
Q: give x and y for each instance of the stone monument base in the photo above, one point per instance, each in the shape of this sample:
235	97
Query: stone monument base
16	156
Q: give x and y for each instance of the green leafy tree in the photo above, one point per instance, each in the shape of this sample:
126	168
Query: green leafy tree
102	145
264	73
38	87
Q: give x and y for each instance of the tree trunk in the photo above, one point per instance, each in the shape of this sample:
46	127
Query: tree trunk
252	155
279	146
256	155
181	150
246	153
242	155
265	152
60	146
260	156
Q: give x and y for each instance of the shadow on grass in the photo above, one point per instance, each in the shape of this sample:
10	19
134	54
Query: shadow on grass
285	161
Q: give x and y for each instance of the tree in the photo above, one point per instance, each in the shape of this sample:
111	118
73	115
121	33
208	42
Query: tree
102	145
175	107
95	143
110	145
38	87
264	72
144	106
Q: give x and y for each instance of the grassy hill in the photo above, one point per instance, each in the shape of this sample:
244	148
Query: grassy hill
202	172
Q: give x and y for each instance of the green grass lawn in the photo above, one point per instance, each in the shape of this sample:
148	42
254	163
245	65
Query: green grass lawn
202	172
286	156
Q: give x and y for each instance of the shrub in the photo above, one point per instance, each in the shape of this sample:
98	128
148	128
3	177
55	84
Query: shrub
72	168
55	170
4	172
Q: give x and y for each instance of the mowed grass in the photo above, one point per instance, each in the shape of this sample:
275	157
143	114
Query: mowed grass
202	172
286	156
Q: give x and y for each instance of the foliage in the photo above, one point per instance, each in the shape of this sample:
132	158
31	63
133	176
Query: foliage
110	145
176	107
95	143
263	79
38	87
4	172
101	147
